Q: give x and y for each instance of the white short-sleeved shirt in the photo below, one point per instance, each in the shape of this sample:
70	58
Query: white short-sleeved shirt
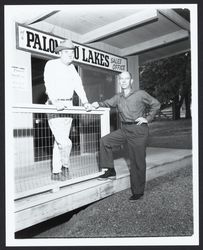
62	80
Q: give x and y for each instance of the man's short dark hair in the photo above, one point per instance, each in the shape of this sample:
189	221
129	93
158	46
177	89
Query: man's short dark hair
126	72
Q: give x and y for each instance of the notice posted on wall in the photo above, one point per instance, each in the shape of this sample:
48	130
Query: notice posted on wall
19	77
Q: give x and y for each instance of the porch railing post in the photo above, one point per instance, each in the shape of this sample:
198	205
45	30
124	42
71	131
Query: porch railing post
105	122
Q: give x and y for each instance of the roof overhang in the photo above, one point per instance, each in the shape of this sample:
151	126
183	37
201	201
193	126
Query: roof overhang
125	29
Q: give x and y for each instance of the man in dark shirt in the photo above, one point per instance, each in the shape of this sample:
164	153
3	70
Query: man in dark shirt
134	132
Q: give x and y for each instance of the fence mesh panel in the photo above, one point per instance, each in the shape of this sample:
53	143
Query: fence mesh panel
33	148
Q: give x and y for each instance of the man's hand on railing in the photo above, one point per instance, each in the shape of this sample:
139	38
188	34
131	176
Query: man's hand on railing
87	106
95	105
59	106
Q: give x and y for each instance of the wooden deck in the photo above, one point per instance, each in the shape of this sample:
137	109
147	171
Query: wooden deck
50	203
36	178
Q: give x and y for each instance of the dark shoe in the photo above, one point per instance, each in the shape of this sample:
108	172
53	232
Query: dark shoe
109	174
58	177
65	172
135	197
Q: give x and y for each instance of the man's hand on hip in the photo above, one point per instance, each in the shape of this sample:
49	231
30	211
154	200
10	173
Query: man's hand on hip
141	120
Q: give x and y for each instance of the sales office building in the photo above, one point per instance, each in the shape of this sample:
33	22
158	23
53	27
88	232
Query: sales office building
108	40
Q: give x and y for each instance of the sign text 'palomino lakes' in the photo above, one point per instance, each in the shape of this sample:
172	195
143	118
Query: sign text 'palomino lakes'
36	41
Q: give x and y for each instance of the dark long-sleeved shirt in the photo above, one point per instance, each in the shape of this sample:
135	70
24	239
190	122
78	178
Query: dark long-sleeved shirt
133	105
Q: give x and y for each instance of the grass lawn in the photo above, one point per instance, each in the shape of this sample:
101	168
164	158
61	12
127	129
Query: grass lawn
171	134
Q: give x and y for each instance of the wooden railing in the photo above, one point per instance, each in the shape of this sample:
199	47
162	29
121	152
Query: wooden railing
33	143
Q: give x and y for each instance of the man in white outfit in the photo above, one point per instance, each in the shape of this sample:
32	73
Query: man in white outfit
61	80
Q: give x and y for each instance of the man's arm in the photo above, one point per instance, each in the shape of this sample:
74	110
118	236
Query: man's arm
154	105
79	89
50	82
112	102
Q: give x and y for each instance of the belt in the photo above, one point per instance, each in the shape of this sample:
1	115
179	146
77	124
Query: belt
65	99
129	123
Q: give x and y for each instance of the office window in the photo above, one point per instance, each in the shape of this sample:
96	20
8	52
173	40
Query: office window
100	85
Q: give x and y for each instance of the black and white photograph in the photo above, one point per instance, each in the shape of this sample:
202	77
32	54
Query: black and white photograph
101	125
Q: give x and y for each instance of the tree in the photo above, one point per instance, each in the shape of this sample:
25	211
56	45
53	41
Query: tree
169	80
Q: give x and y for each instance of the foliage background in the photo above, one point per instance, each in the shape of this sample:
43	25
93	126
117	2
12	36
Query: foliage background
169	80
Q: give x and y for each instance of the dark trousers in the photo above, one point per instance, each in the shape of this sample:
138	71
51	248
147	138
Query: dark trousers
135	136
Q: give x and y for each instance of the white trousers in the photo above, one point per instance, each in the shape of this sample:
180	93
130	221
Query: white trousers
60	127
